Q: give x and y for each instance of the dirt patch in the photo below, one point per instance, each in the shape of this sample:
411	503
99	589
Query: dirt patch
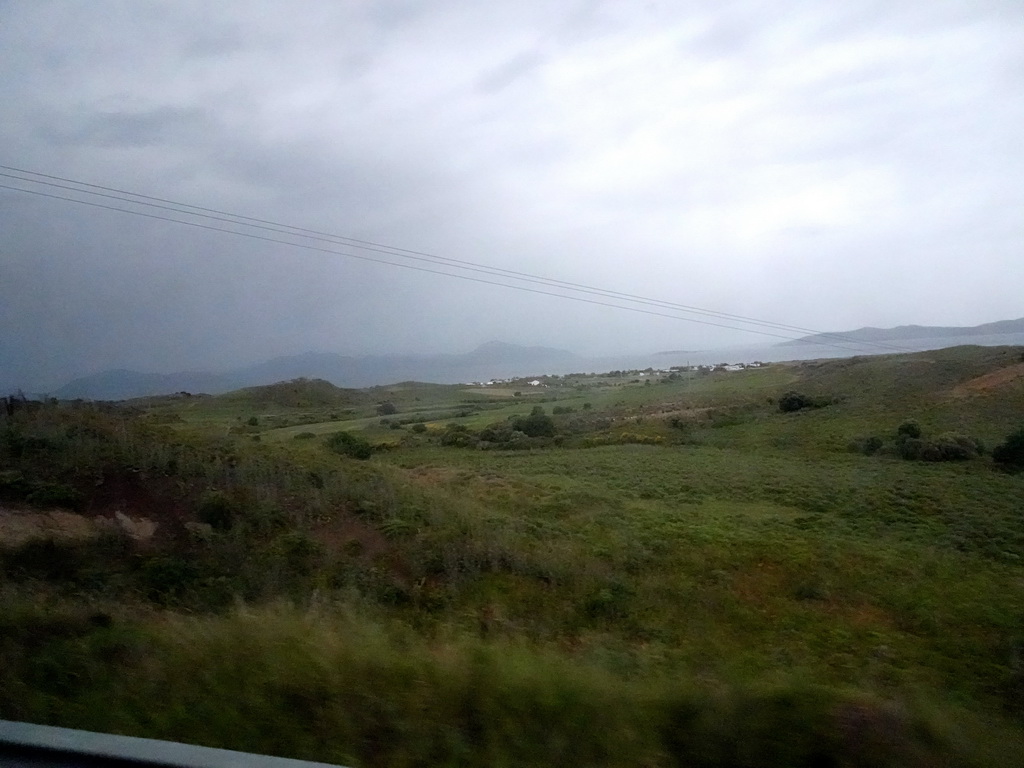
990	381
19	526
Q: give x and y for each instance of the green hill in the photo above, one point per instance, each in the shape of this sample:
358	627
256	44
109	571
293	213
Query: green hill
678	569
297	393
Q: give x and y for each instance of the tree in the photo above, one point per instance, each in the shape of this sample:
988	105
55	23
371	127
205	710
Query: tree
1010	453
387	408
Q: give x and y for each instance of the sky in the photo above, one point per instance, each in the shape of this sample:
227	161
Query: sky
819	165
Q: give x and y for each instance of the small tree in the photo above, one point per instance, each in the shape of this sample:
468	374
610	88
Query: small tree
387	408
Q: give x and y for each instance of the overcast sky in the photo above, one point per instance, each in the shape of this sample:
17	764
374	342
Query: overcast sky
825	165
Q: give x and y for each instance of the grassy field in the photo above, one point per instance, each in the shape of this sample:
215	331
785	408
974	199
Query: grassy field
604	570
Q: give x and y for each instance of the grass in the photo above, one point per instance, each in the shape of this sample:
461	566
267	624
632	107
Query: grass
740	590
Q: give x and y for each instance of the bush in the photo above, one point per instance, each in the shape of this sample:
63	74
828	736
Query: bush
537	424
419	427
794	401
387	409
909	429
349	445
953	446
457	435
947	447
217	511
1010	453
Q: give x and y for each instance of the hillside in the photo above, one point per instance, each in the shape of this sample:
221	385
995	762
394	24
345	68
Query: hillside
610	569
911	332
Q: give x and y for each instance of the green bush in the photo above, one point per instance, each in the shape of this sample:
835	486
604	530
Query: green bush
349	445
217	511
537	424
908	429
794	401
1010	453
457	435
950	446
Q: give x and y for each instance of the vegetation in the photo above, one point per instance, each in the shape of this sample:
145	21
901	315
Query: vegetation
348	444
1010	453
595	572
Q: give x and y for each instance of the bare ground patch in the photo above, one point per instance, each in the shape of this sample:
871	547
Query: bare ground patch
990	381
19	526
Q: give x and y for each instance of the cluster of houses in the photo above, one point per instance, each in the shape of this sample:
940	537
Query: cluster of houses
545	381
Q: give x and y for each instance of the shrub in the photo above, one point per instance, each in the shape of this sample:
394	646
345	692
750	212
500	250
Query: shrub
947	447
456	435
387	408
217	511
537	424
794	401
419	427
912	449
1010	453
909	429
953	446
349	445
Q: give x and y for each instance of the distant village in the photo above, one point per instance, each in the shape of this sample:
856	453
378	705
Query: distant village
672	373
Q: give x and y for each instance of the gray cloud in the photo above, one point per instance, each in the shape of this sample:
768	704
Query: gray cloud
821	165
160	126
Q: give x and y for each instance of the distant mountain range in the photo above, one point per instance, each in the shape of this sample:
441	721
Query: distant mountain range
910	333
492	360
498	360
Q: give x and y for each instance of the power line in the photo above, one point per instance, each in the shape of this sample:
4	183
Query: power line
381	261
421	256
291	231
403	252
